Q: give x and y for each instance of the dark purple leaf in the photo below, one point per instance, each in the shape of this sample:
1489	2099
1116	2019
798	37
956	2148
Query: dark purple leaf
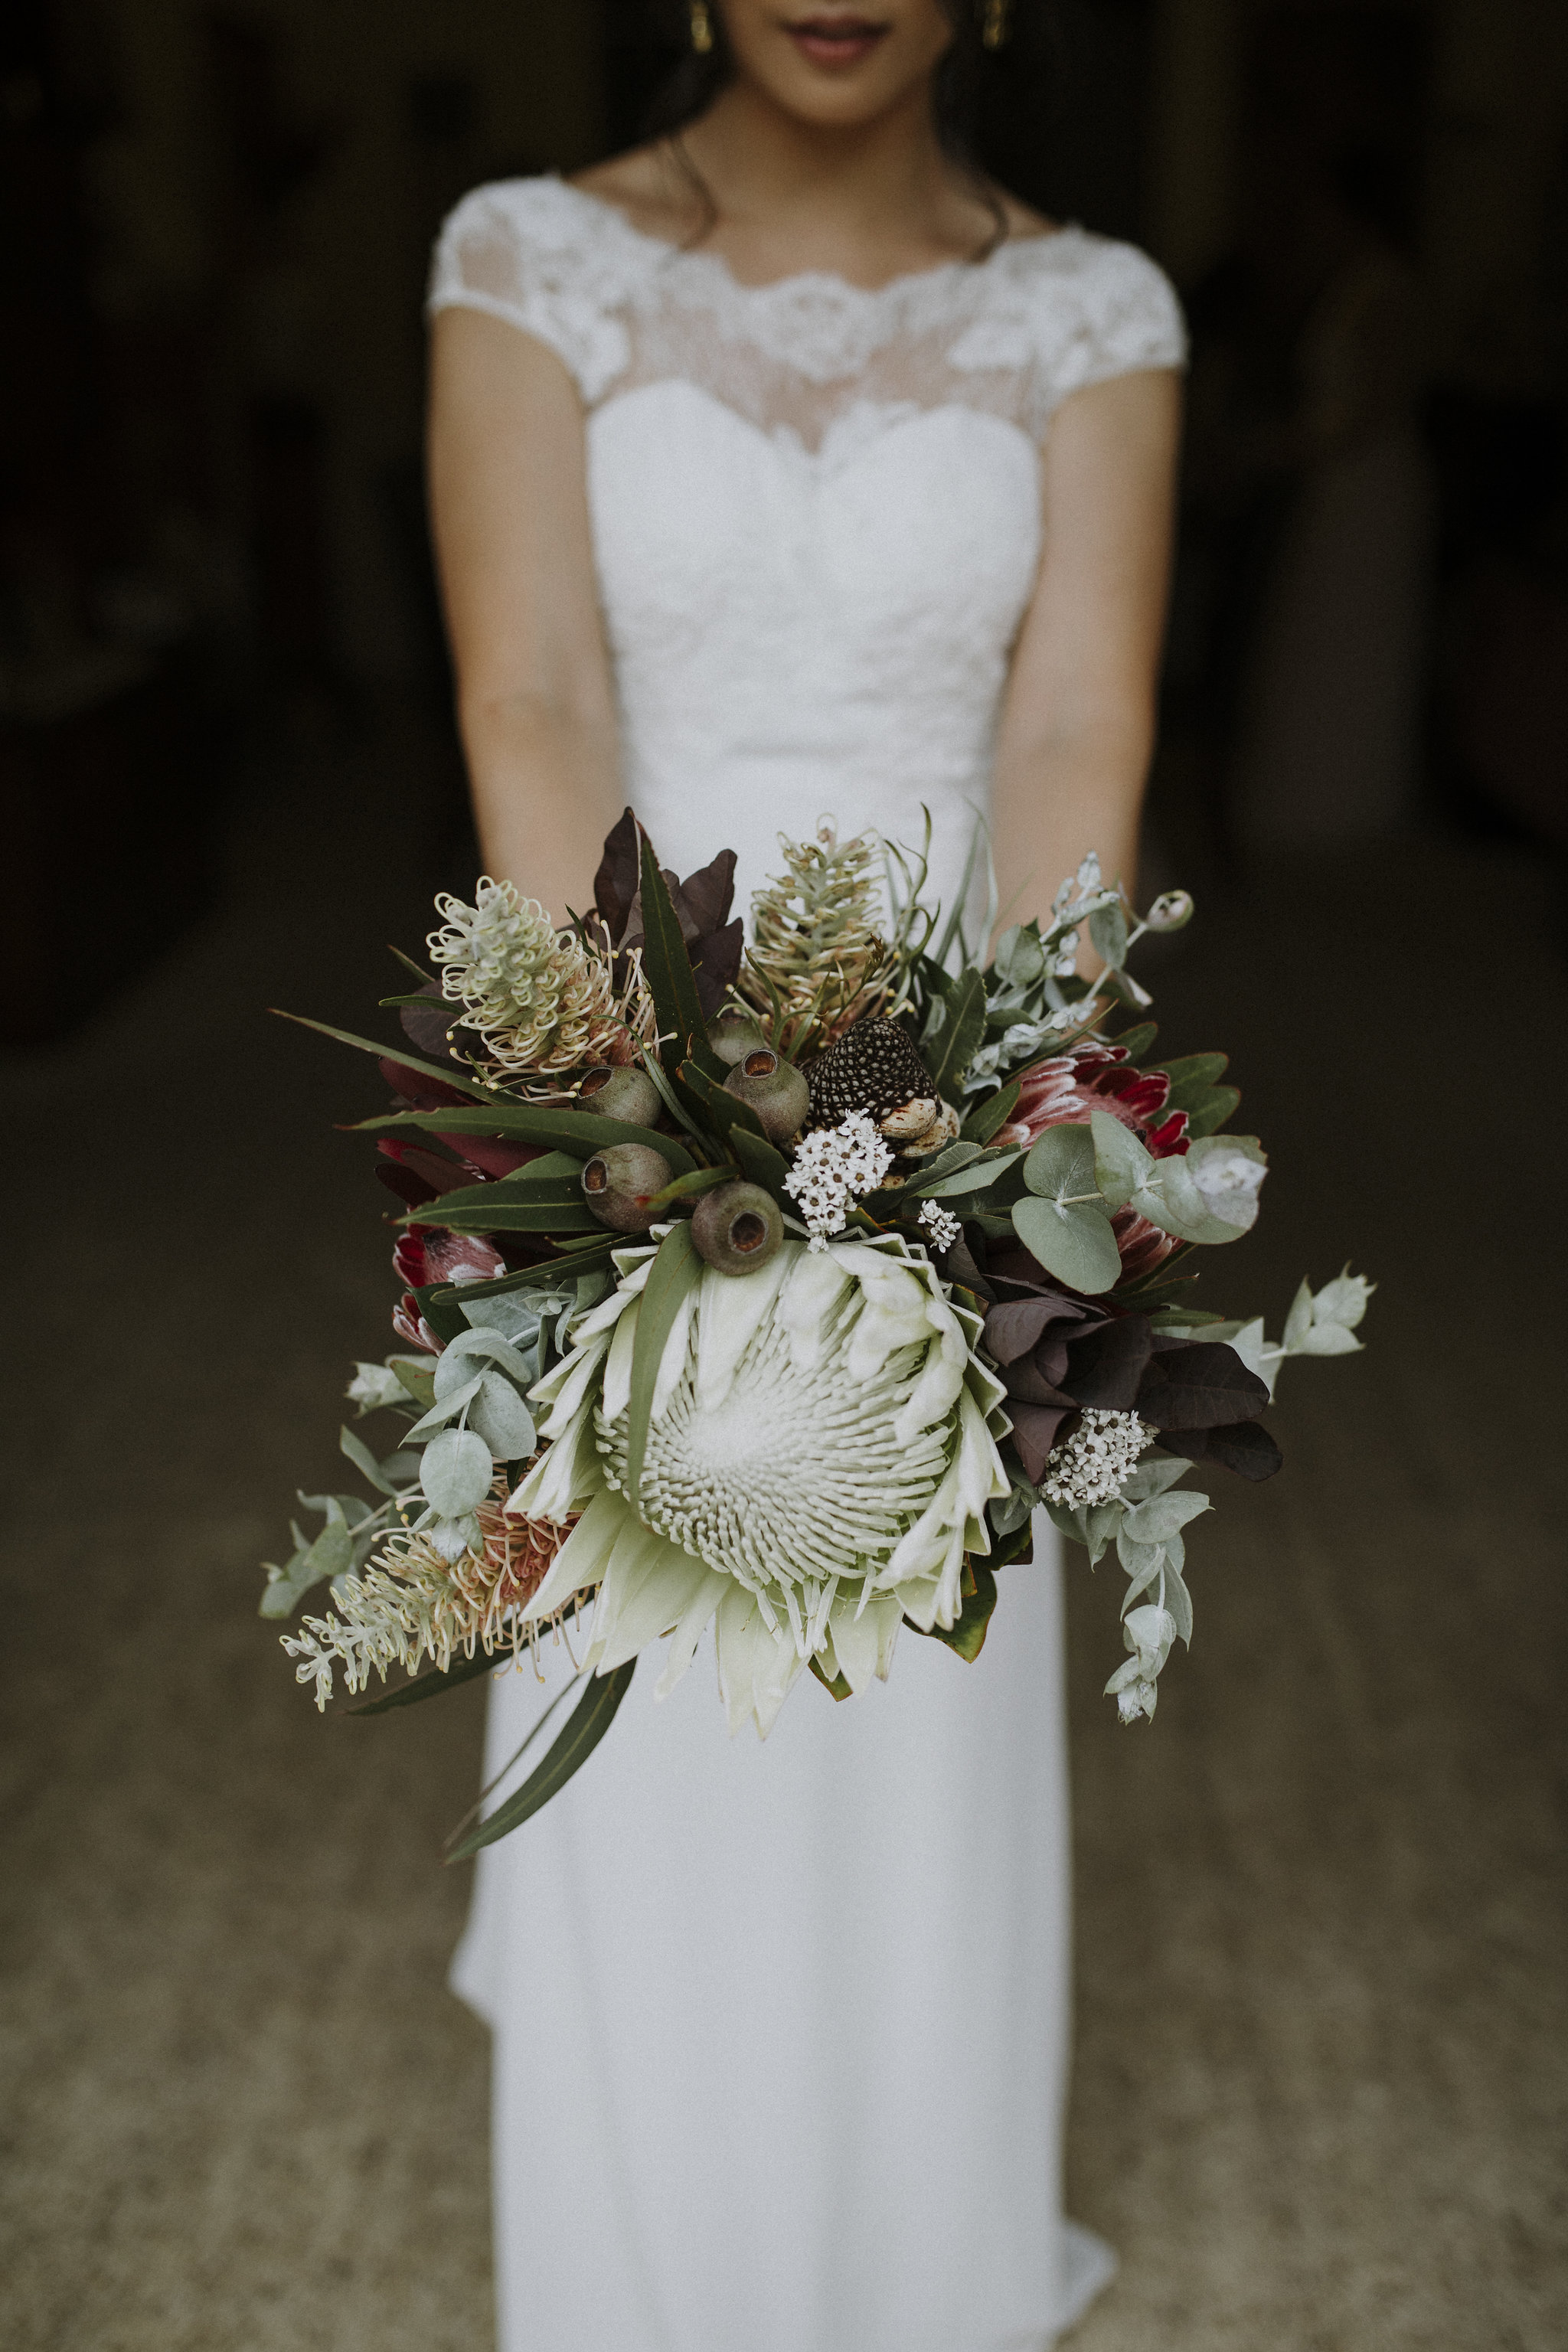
1204	1385
1024	1380
1106	1367
1034	1428
711	894
716	963
616	883
1244	1447
428	1029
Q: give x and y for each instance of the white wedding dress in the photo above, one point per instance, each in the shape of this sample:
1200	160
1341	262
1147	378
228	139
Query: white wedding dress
781	2031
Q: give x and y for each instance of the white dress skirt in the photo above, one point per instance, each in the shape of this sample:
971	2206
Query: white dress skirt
781	2029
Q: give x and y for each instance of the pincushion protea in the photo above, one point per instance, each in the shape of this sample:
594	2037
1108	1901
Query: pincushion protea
821	1449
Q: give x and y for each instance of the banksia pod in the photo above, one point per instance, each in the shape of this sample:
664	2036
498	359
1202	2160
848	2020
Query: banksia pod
544	1002
817	937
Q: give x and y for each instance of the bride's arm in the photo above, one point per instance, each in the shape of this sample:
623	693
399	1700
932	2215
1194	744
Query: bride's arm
1078	726
510	509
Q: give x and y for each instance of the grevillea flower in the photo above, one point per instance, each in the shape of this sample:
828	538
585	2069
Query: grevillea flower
545	1002
410	1603
821	1449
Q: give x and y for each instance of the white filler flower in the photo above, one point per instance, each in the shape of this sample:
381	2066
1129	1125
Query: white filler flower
835	1166
820	1454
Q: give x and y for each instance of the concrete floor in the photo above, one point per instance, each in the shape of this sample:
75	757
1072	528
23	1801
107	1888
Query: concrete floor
1323	2069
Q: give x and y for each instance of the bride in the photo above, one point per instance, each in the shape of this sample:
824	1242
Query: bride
781	468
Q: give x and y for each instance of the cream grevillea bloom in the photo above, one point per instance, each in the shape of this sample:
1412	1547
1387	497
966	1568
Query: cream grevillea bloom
820	1454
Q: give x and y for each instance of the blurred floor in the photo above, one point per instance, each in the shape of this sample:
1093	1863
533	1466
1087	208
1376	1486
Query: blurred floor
1322	2077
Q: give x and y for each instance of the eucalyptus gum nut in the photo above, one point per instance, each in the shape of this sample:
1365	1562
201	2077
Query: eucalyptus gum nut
737	1228
733	1034
626	1093
618	1183
775	1090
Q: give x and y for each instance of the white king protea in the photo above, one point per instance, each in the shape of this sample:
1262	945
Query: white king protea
820	1453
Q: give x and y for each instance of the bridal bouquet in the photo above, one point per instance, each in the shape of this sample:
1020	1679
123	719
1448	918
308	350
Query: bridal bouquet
774	1288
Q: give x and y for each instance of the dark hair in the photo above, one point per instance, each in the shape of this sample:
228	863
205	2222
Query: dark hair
963	81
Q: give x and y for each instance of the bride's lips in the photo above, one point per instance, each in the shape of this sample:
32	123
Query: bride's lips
836	42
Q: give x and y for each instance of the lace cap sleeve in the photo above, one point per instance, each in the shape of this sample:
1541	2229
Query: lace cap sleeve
1074	309
532	252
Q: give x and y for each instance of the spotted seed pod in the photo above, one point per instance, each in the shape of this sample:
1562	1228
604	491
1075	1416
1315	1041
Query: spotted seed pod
873	1067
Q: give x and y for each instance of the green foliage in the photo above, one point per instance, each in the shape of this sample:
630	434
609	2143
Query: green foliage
586	1727
949	1048
676	1271
667	968
1062	1222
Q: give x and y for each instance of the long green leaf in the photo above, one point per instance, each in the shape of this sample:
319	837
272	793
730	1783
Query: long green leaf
675	1271
1219	1103
580	1133
1191	1076
506	1217
958	1041
761	1162
433	1681
667	967
687	1188
586	1725
449	1075
983	1122
967	1636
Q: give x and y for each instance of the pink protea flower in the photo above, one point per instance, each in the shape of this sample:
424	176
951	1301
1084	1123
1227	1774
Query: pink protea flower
425	1254
1064	1090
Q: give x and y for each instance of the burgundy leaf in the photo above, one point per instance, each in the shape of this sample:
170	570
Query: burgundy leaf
411	1190
420	1092
489	1156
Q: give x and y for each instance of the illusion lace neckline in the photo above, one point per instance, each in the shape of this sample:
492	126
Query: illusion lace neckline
716	267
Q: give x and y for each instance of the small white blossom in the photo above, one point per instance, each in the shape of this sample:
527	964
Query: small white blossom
833	1167
1089	1468
941	1224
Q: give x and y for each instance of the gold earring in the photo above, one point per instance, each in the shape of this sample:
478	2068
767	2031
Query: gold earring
701	27
993	28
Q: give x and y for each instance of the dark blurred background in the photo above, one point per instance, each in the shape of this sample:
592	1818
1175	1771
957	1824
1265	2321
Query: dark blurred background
1322	2078
216	228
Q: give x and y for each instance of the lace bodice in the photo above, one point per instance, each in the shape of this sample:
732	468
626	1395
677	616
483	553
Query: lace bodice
815	506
